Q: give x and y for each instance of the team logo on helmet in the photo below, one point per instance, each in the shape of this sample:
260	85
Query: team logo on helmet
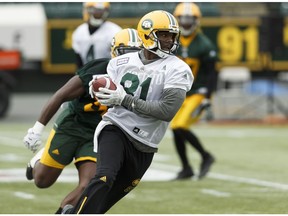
147	24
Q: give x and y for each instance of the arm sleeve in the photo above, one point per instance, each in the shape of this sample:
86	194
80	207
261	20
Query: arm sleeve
164	109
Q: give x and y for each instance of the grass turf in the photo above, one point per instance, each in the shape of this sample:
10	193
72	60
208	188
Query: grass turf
254	153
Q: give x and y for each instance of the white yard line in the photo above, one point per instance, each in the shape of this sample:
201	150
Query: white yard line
157	172
215	193
24	195
251	181
224	177
10	141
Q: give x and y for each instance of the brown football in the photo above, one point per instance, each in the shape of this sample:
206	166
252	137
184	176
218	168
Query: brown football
104	82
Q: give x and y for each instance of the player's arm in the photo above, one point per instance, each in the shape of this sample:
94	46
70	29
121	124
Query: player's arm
71	90
208	87
164	109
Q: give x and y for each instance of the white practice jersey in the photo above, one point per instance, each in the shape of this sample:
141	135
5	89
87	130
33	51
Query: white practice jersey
146	82
97	45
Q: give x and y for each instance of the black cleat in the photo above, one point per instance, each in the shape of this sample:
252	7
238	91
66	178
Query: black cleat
29	172
206	164
68	209
185	173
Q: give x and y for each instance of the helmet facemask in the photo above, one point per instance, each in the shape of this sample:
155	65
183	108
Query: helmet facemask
96	15
122	49
188	24
157	49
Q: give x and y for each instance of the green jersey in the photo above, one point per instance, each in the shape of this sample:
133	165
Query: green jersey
198	52
86	110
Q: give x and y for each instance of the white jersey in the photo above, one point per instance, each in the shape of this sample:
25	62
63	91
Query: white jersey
97	45
146	82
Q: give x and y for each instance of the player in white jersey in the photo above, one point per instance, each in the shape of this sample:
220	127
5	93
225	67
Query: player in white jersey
71	138
92	39
151	86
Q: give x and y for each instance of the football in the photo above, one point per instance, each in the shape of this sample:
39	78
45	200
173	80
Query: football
104	82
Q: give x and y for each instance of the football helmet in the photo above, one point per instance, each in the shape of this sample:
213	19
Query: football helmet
153	22
125	41
188	15
95	13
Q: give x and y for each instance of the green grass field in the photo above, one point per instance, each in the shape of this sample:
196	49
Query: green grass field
250	175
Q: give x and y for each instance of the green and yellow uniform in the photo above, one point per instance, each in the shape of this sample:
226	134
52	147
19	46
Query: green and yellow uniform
200	54
73	131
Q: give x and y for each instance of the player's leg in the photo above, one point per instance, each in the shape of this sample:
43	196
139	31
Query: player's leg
59	150
32	163
47	169
135	165
85	161
187	171
86	171
207	158
111	145
182	120
192	110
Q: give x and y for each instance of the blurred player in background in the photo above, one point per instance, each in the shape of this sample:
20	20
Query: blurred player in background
73	131
200	54
92	39
151	86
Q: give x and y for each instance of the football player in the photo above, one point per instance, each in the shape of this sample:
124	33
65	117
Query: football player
151	86
92	39
73	131
200	54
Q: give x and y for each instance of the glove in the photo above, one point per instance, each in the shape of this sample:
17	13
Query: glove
109	97
205	104
91	92
32	140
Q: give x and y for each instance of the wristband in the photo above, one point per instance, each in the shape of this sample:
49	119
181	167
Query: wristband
38	127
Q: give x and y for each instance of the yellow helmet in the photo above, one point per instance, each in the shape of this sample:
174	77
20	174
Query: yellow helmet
152	22
188	15
125	41
95	13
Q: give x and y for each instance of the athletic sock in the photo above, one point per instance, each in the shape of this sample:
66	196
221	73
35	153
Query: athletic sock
36	157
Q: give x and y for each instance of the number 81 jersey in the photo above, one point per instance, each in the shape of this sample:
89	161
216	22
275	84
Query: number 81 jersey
145	82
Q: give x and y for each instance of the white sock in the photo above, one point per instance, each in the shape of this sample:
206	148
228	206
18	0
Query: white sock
36	157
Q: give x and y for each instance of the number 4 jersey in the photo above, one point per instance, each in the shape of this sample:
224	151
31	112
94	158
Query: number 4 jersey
145	82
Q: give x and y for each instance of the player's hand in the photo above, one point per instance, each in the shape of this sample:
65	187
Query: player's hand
32	140
91	92
109	97
205	104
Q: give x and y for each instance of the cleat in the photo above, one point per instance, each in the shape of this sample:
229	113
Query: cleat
206	164
31	164
29	172
185	173
67	209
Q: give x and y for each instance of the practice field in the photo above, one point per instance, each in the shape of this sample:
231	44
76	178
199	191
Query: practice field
249	177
